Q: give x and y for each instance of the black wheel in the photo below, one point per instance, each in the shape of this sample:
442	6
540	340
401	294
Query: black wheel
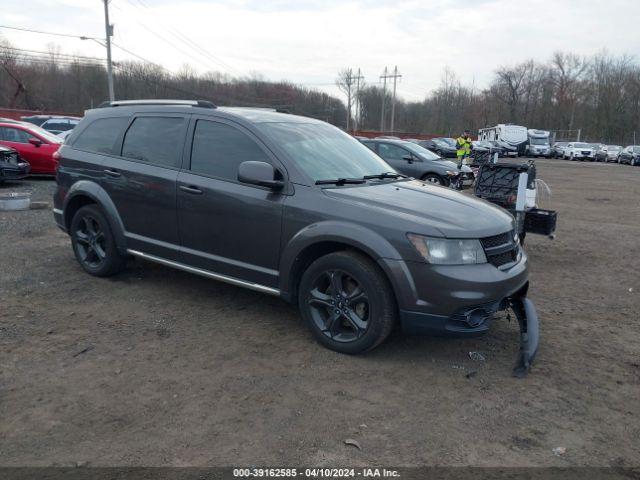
93	243
347	302
434	178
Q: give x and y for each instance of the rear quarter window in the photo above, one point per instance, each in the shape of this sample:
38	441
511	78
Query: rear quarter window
101	136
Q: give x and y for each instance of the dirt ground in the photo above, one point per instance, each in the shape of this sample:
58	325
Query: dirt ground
160	367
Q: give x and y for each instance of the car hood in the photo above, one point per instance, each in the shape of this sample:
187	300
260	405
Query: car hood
426	207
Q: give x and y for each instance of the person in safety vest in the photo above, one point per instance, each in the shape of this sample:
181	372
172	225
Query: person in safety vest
463	146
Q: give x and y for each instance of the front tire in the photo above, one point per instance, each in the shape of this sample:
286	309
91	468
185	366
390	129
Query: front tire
93	243
434	178
347	302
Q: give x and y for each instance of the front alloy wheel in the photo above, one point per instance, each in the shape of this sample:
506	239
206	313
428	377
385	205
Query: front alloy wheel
347	301
433	178
339	306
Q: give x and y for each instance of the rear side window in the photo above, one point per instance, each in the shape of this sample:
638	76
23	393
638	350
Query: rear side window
156	140
16	135
101	135
219	149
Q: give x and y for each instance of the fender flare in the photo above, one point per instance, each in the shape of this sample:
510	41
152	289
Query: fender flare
91	189
353	235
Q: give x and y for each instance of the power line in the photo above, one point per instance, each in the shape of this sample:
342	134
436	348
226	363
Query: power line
186	40
165	40
140	57
81	37
52	54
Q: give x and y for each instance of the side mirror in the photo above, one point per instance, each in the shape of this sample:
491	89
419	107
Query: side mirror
262	174
408	158
35	141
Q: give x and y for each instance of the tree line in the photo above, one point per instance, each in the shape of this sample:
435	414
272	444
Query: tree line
68	83
598	95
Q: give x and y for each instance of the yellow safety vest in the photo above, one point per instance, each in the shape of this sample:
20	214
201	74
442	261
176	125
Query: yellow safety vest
463	146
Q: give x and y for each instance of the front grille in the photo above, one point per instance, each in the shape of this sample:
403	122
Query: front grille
496	240
500	249
502	258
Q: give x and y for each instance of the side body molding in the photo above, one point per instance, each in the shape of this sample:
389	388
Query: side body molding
333	231
91	189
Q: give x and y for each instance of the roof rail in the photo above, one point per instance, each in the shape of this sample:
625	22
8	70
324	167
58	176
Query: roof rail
127	103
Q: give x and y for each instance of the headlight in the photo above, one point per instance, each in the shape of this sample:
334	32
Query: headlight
450	173
443	251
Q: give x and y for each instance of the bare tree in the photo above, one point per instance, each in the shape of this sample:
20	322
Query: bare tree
344	82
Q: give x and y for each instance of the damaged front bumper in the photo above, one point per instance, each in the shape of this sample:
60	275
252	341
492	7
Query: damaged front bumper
527	317
473	321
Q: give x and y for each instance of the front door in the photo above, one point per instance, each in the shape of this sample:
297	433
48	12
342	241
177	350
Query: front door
142	182
225	226
397	157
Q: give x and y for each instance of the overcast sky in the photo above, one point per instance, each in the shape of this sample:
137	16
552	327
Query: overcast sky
308	41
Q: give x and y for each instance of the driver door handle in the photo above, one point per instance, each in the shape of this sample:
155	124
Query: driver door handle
112	173
191	189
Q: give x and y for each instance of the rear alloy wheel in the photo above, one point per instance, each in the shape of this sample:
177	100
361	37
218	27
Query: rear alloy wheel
347	302
433	178
93	243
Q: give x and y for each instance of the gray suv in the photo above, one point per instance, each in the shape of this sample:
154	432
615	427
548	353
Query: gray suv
293	207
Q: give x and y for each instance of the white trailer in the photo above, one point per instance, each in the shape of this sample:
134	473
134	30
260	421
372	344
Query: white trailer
513	138
538	145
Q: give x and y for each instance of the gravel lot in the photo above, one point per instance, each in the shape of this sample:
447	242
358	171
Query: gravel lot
159	367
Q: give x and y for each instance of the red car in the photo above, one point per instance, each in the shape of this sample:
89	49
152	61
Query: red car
34	144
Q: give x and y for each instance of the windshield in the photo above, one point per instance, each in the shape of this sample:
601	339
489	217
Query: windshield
48	136
419	150
539	141
636	149
325	152
614	148
581	145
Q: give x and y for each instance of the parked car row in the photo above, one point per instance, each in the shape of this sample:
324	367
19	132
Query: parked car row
33	145
597	152
55	124
414	160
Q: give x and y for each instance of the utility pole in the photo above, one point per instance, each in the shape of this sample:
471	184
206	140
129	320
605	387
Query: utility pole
384	77
395	76
109	31
356	118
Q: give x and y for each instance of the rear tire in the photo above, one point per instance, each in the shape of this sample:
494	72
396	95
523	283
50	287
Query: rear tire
93	243
347	302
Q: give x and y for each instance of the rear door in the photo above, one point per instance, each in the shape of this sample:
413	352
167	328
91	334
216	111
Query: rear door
225	226
141	182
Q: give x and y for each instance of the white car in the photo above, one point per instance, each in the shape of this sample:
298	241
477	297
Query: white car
579	151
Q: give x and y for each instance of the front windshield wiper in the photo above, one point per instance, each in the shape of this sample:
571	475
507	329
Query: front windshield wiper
385	175
340	181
